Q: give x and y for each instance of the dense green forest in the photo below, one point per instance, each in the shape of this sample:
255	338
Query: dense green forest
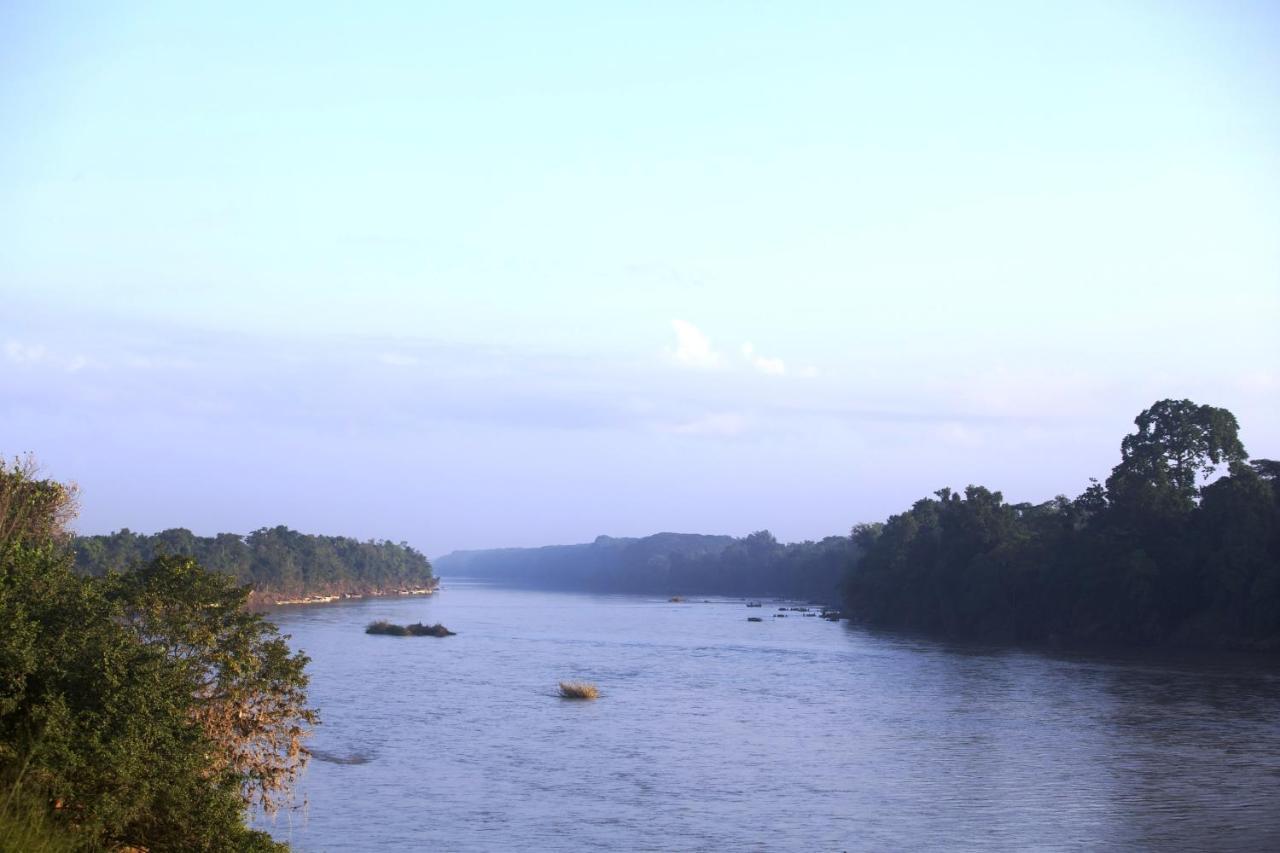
1161	553
275	560
138	711
668	564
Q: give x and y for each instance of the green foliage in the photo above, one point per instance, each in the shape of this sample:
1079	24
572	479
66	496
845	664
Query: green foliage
417	629
276	560
32	510
1177	443
26	824
383	627
248	688
1152	558
101	700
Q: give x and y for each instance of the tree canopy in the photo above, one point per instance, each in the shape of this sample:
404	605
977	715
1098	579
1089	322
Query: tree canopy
142	710
276	561
1177	444
1160	554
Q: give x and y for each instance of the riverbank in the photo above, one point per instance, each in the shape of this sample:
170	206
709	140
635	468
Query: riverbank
261	600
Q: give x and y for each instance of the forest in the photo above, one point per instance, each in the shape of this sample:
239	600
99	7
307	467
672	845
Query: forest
276	561
668	564
1179	546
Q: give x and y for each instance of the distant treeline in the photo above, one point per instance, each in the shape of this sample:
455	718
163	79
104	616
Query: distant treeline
274	560
669	563
1159	554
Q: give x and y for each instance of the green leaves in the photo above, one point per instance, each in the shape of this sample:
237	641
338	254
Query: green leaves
1152	558
116	692
1177	443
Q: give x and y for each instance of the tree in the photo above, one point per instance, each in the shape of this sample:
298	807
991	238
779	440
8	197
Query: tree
138	712
248	690
1177	443
32	509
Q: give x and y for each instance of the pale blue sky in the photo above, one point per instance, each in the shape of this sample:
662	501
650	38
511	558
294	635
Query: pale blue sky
500	274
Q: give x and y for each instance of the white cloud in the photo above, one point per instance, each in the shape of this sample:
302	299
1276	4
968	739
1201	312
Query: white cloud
808	372
693	349
720	424
955	434
395	359
21	353
764	364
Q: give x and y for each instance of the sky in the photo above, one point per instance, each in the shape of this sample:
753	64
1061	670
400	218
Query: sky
493	274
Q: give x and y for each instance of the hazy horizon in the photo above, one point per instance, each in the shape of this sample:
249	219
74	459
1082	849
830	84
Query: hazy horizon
497	277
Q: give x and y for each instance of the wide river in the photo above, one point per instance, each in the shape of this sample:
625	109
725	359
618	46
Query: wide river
715	733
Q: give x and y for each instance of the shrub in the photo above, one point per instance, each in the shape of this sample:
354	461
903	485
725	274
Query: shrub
384	627
437	630
417	629
578	690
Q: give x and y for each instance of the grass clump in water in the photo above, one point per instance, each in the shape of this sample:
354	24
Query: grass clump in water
417	629
578	690
382	626
437	630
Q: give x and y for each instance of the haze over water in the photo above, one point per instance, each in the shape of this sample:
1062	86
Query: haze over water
714	733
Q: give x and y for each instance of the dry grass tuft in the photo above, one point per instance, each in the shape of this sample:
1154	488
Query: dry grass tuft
578	690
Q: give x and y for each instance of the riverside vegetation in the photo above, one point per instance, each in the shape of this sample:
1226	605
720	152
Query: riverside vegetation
1179	546
1161	553
144	710
281	564
415	630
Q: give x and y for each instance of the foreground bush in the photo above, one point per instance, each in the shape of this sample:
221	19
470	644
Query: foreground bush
142	711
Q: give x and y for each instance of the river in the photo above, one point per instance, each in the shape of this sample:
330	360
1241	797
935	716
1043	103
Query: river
715	733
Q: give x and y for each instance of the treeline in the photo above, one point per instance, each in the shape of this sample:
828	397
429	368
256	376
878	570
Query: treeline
275	561
138	711
1160	553
669	564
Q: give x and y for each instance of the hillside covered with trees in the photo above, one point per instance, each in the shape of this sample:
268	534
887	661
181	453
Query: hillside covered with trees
276	561
668	564
1161	553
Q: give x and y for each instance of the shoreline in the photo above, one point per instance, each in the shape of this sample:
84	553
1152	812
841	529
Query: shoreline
267	600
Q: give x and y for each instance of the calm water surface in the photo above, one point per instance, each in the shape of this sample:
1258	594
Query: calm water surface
714	733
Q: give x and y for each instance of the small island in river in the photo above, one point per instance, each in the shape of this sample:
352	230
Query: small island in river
415	630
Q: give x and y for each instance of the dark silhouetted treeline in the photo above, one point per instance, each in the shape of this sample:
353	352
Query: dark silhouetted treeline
667	564
276	559
1159	554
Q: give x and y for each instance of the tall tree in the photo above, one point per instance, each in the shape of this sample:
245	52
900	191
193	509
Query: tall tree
1177	443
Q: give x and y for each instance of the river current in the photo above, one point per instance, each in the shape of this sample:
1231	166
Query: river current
715	733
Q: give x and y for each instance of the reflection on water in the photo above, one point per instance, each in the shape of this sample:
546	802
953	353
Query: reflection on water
717	733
